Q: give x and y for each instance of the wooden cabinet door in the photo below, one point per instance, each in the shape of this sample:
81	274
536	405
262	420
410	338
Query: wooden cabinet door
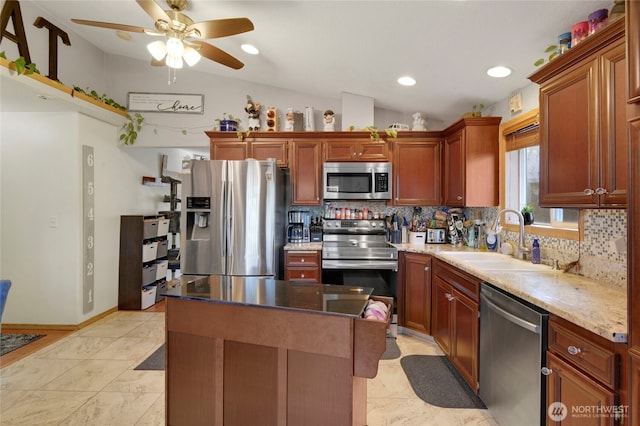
305	164
464	349
340	150
441	309
574	389
417	292
373	151
632	10
417	172
614	162
454	170
568	145
229	150
634	391
269	148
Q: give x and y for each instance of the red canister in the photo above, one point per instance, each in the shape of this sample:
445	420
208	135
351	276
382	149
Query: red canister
598	20
579	31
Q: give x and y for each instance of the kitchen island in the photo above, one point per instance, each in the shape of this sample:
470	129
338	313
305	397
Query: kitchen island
259	351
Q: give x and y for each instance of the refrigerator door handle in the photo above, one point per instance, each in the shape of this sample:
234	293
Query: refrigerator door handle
229	198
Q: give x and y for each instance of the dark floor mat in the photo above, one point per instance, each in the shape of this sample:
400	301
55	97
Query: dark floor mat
11	342
155	361
435	381
392	351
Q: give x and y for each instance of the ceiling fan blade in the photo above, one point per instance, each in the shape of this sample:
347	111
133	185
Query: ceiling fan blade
222	27
153	10
218	55
158	63
109	25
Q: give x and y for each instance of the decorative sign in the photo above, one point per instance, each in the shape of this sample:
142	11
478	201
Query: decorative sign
182	103
88	228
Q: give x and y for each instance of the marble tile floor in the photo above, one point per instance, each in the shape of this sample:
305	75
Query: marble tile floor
87	378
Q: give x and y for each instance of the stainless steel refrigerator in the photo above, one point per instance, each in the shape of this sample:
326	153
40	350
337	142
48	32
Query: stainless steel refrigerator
233	218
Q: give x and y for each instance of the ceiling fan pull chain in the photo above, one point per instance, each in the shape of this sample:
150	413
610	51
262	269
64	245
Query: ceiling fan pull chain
169	77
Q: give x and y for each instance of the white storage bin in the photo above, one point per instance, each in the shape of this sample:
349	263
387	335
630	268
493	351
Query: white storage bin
417	238
150	228
163	227
161	269
148	296
149	251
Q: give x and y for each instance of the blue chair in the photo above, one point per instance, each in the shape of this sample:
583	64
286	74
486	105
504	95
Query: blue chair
5	285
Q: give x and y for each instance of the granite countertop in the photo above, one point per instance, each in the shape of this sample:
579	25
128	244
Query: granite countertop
270	293
304	246
588	303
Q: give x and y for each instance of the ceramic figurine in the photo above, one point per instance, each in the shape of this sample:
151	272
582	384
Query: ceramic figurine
329	121
290	120
418	122
253	109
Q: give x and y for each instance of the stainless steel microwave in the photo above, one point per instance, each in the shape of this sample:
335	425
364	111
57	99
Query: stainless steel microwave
357	181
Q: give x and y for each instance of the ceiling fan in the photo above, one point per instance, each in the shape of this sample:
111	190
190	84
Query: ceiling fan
183	36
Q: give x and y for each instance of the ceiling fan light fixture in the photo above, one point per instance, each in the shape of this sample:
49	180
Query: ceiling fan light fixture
157	49
175	47
191	56
498	72
174	61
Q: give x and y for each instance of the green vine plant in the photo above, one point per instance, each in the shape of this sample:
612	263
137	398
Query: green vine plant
553	52
130	128
374	135
104	98
21	65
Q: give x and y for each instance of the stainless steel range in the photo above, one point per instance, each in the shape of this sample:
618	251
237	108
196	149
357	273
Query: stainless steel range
356	253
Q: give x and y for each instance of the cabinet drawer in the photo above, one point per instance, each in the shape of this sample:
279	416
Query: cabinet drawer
590	357
461	281
303	274
303	258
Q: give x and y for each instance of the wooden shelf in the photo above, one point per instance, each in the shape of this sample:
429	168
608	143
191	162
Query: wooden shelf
37	85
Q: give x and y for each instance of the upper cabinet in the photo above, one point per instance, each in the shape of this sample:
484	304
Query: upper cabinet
583	146
417	171
227	146
356	149
471	158
306	166
633	49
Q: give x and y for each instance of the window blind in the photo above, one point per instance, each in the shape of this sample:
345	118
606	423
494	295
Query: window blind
523	138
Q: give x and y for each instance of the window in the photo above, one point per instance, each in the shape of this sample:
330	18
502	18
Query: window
522	181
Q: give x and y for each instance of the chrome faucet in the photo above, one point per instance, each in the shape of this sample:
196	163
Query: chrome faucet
522	250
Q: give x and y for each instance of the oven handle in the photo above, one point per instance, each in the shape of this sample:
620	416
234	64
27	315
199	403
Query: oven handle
359	264
513	318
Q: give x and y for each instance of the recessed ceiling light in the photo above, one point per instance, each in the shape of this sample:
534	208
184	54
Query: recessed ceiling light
406	81
498	71
123	35
250	48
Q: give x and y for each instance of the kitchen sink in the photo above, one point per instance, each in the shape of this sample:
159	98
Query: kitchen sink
494	261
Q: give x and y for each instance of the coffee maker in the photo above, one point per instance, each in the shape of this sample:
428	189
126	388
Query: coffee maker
298	230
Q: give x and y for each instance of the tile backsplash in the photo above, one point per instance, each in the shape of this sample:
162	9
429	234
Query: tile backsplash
599	257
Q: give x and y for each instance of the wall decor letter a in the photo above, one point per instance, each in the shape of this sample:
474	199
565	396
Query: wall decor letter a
11	9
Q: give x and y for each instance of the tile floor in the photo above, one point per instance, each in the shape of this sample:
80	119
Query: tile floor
88	378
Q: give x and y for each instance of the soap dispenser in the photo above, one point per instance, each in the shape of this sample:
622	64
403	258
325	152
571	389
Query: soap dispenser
535	252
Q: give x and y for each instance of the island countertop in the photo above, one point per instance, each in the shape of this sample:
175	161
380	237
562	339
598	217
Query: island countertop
270	293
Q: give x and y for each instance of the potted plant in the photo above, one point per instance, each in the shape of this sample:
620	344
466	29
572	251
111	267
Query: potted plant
527	214
228	123
476	111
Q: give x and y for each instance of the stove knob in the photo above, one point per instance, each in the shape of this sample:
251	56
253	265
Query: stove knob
373	224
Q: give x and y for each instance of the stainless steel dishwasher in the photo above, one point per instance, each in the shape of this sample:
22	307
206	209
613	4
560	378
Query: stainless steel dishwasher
513	343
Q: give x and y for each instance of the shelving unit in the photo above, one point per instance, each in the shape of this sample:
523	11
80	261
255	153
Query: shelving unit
143	260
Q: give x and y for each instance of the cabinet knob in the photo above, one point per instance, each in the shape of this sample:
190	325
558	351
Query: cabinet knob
449	297
546	371
459	198
426	268
588	191
301	260
573	350
301	275
601	191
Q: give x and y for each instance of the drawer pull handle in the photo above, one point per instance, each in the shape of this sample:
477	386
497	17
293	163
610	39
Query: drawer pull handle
301	275
448	296
573	350
301	260
546	371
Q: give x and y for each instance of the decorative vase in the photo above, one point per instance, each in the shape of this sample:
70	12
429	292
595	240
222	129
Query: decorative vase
228	125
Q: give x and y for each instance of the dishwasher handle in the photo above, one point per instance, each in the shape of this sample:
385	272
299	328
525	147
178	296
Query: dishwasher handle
513	318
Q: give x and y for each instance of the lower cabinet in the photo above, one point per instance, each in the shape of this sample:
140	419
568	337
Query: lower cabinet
302	265
454	318
584	372
416	310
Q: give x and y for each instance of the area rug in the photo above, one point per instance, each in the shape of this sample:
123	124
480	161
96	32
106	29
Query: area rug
11	342
435	380
155	361
393	351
